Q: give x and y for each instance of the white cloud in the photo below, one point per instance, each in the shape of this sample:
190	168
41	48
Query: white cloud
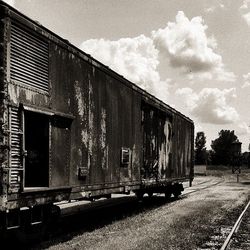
210	105
246	78
245	4
215	7
135	58
187	46
210	9
242	129
10	2
183	43
243	8
223	75
198	127
246	17
189	97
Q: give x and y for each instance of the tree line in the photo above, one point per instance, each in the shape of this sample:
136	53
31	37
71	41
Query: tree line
224	149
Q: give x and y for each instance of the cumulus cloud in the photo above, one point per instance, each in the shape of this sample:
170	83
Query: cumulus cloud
210	9
210	105
135	58
198	127
245	4
183	43
242	129
246	17
246	78
213	8
243	8
187	46
10	2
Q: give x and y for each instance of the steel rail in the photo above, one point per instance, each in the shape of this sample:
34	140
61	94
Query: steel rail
199	189
68	209
236	225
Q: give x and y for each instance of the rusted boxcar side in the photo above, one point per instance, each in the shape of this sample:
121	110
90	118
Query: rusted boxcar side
71	128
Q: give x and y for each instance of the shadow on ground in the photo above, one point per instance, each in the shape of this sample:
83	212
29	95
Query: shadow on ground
68	227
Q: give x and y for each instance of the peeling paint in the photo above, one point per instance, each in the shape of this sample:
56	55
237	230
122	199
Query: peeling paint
165	150
157	144
19	94
79	98
153	142
91	118
135	157
84	135
103	128
30	96
91	123
12	93
81	105
103	137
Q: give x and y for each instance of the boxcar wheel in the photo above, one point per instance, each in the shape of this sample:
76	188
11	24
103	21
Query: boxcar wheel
177	194
139	195
150	194
168	195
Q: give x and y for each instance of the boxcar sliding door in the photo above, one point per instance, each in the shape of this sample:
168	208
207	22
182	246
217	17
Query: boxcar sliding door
36	149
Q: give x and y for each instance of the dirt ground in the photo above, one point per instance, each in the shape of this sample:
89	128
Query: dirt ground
200	219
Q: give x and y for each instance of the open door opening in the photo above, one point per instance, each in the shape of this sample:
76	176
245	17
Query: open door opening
36	145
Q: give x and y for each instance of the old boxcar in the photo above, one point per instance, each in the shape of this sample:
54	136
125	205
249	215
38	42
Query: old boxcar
71	128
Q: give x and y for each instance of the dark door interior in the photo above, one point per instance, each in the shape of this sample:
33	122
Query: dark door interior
37	149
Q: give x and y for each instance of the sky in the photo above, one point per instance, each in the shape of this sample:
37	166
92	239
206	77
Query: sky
194	55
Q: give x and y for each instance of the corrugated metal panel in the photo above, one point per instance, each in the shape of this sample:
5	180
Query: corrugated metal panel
15	148
29	59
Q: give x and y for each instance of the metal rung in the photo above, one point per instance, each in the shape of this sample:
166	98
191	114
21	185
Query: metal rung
13	227
36	223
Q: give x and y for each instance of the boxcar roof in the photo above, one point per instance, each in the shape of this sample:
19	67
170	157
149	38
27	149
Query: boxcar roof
37	27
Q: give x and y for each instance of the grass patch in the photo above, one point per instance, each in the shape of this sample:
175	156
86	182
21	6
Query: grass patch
202	229
186	232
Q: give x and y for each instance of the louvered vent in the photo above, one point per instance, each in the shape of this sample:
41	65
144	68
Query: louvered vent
29	60
15	148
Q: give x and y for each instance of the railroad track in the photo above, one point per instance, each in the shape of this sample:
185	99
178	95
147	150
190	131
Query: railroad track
201	188
238	238
102	212
73	208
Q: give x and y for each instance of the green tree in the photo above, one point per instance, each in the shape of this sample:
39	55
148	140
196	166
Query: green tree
200	149
222	147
